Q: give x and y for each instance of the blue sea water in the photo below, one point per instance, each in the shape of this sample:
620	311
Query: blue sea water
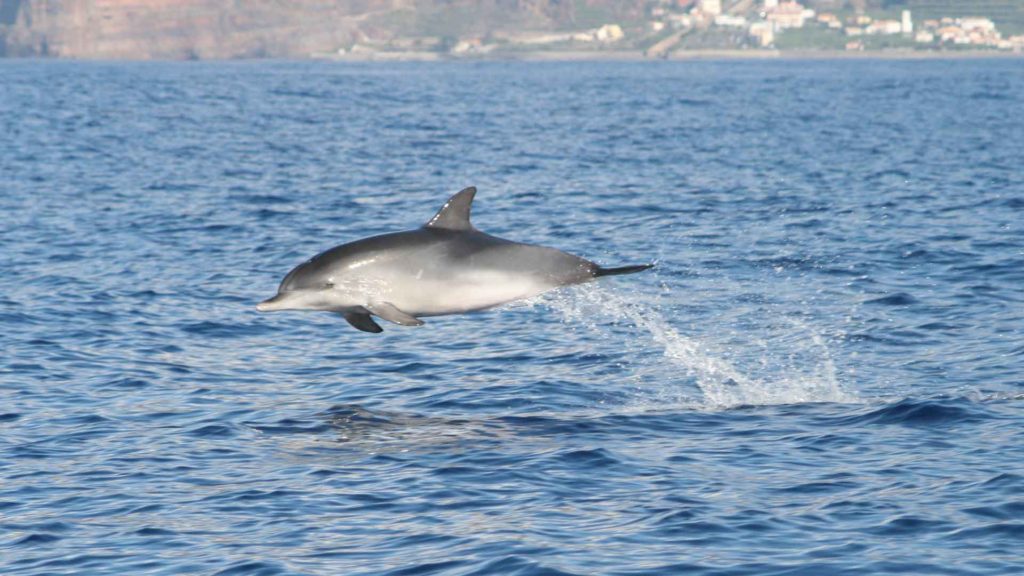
823	375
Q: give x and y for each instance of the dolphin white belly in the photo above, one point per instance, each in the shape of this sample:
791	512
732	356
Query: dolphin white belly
467	291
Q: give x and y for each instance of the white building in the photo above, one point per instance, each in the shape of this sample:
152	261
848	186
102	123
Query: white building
788	15
884	27
730	21
713	7
764	32
907	23
609	33
979	24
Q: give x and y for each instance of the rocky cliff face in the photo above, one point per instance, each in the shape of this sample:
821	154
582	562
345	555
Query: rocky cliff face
181	29
144	29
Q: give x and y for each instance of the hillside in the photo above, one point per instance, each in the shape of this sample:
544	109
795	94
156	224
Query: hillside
202	29
181	29
1007	14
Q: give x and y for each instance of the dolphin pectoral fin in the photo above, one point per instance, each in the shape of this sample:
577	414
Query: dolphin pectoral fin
387	311
362	321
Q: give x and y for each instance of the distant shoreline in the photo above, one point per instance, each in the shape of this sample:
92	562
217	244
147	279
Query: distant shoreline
682	55
595	56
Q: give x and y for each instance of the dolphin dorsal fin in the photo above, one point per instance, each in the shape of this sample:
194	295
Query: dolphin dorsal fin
454	215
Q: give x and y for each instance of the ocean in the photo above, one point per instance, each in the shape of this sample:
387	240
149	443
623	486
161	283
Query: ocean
824	373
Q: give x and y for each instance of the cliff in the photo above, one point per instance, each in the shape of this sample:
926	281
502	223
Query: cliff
143	29
182	29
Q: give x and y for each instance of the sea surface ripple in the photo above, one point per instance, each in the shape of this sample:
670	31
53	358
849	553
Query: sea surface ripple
823	375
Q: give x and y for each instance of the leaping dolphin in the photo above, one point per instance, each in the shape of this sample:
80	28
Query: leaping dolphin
445	267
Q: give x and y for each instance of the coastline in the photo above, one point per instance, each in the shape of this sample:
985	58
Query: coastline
591	56
679	55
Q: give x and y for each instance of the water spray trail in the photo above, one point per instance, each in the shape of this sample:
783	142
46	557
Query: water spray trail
720	382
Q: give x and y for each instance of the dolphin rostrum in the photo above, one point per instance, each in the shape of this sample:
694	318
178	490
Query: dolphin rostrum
444	267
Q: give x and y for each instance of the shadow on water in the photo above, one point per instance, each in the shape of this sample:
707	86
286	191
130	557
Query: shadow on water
374	430
353	423
381	430
384	431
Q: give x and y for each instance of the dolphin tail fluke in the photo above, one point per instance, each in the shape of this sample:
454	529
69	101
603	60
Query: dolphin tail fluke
599	271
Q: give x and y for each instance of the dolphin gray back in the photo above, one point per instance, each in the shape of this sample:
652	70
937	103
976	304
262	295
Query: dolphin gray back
444	247
315	273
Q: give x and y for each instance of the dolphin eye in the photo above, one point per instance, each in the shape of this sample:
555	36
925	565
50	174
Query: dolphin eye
328	285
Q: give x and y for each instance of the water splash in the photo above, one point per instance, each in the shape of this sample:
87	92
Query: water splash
784	361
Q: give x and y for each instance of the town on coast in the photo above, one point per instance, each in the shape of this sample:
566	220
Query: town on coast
681	29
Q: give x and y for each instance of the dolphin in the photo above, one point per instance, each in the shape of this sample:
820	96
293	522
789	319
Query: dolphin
444	267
